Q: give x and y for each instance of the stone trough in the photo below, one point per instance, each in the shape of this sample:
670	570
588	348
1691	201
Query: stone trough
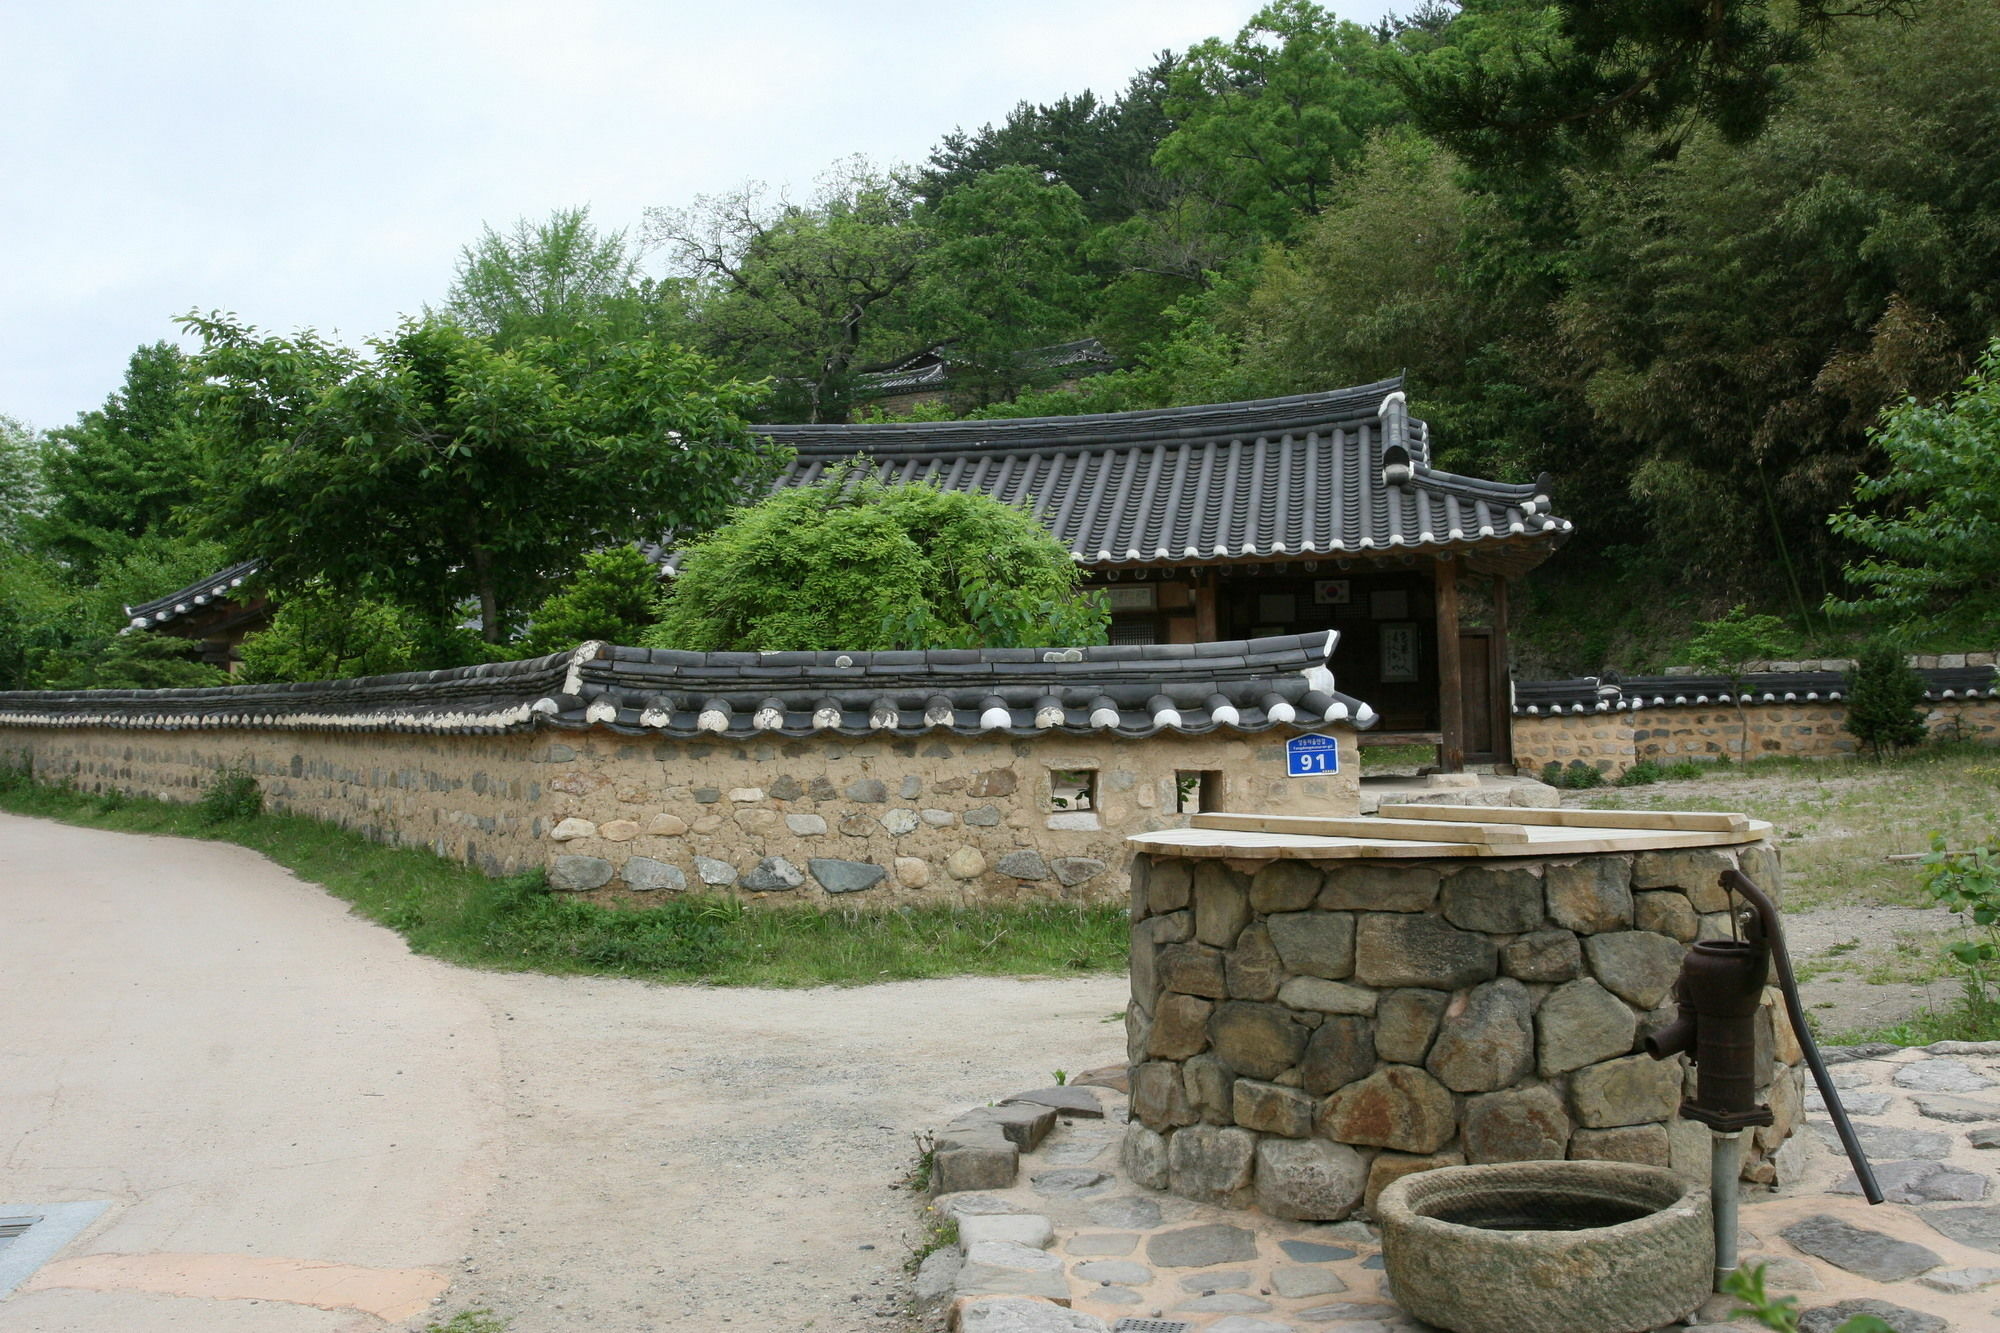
1321	1007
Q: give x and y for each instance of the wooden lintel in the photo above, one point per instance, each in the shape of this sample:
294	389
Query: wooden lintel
1687	821
1401	830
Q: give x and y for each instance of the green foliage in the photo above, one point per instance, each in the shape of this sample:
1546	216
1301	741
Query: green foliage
1521	82
134	661
443	469
542	279
1731	642
1684	770
470	1321
852	563
1935	540
611	598
21	484
1642	774
1884	699
1781	1313
1968	882
1263	124
1574	776
318	634
233	795
798	290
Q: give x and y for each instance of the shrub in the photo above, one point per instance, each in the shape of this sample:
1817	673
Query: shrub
233	795
1576	776
1642	774
1884	700
1683	770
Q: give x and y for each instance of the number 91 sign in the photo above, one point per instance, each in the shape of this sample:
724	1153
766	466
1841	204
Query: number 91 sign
1311	756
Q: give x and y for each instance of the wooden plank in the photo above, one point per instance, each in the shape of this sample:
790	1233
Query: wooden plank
1451	676
1502	696
1205	630
1224	844
1400	830
1690	821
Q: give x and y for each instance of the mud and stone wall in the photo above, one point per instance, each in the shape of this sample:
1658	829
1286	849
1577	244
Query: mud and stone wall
1612	742
1302	1033
609	816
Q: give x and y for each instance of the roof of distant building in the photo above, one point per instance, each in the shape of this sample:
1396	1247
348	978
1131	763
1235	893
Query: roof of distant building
930	370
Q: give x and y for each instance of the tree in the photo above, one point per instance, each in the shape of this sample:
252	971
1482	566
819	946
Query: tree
1002	276
798	291
611	598
132	661
443	469
1884	699
1933	531
124	470
852	563
540	279
21	486
1264	124
1728	645
1527	82
319	634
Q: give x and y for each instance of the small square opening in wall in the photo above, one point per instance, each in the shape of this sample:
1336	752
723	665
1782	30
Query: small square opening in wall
1197	790
1073	789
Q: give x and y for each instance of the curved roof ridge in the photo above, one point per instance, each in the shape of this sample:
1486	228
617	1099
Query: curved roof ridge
1257	415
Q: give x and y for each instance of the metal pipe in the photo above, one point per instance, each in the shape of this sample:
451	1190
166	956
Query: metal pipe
1767	913
1724	1162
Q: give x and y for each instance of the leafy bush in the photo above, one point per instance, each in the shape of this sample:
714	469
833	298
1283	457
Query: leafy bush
1683	770
611	598
1884	700
853	563
319	634
1968	883
233	795
1575	776
1642	774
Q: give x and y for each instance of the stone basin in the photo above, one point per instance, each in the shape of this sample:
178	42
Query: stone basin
1557	1247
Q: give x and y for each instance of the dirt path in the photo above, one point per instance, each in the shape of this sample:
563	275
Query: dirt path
301	1126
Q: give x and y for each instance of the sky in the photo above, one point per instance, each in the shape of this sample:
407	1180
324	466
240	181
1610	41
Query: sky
321	164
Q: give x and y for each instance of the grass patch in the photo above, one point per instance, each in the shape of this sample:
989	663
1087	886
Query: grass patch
450	911
1835	819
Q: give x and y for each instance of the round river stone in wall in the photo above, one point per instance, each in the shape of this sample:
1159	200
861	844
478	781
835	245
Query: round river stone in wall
846	876
578	873
646	873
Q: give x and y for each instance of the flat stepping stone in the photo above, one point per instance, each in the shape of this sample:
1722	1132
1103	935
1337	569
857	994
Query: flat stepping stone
1000	1315
974	1205
1854	1077
1067	1099
1977	1227
1857	1102
1941	1076
1959	1281
1070	1180
1224	1302
1201	1247
1029	1229
1886	1143
1238	1323
1312	1252
1106	1272
1204	1283
1115	1296
1346	1310
983	1280
1024	1125
1984	1138
1069	1154
1827	1318
1859	1250
1004	1254
1115	1077
1101	1243
1867	1050
1296	1283
1964	1048
1921	1182
1784	1272
1373	1261
1959	1110
1137	1214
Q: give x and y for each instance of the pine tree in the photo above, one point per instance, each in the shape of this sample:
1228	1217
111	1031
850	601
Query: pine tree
1884	699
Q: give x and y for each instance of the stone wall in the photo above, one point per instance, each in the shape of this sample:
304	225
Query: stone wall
901	818
1301	1033
1612	742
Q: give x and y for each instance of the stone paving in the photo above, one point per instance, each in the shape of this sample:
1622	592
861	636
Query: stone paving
1071	1245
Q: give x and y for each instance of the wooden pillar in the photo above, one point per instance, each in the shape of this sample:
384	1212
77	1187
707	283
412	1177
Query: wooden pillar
1451	676
1502	677
1204	607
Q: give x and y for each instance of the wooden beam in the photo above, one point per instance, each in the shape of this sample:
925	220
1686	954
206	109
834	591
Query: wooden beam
1205	630
1398	830
1451	674
1679	821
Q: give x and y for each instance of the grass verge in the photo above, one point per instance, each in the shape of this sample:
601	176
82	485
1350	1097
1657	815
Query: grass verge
451	911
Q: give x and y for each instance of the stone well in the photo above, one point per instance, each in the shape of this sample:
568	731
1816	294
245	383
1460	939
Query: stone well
1316	1014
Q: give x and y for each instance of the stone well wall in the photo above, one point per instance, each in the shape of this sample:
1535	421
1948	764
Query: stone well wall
1612	742
614	816
1302	1033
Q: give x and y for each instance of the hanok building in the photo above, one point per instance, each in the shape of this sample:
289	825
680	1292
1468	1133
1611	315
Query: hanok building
1236	521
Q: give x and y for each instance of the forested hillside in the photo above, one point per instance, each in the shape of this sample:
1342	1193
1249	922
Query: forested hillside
1682	257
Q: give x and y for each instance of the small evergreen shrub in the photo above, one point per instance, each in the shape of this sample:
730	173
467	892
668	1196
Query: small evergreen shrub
1884	700
1576	776
233	795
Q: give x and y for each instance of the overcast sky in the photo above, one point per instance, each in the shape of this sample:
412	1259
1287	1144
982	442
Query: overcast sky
322	163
